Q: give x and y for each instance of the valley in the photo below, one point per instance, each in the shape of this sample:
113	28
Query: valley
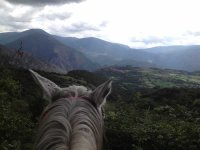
151	77
155	99
139	114
99	75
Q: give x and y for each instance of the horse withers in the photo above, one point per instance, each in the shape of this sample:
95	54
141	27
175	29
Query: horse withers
73	118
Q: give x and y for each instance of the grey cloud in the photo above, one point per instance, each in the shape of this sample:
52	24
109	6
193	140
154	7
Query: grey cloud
9	20
42	2
60	16
80	27
11	23
15	25
4	8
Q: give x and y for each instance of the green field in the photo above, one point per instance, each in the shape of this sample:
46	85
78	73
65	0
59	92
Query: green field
151	77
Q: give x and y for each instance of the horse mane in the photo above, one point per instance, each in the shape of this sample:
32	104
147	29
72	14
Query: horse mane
73	118
70	122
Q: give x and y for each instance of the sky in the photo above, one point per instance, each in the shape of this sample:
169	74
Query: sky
136	23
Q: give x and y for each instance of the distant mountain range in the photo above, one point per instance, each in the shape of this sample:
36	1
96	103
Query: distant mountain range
69	53
45	47
178	57
106	53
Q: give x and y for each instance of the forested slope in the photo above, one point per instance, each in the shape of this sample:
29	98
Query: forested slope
148	118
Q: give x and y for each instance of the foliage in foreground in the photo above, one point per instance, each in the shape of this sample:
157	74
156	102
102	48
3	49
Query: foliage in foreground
148	120
16	126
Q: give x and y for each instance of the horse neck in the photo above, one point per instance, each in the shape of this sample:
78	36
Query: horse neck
71	125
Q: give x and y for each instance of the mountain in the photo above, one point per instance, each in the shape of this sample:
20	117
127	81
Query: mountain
10	57
182	58
106	53
8	37
4	50
70	53
44	46
169	49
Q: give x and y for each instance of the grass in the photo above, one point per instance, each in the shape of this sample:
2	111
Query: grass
150	78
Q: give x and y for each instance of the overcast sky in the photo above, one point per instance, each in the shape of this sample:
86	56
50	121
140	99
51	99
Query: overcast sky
137	23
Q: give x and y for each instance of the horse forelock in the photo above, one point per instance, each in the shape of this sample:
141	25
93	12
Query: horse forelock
71	123
72	91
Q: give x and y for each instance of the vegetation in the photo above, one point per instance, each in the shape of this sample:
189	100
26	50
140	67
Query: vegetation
149	109
16	125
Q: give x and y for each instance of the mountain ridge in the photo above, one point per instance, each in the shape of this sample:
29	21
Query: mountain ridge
43	46
99	53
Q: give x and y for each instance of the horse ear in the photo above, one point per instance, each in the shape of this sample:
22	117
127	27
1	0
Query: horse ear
50	89
100	94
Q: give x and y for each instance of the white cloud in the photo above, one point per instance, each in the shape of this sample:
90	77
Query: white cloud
138	23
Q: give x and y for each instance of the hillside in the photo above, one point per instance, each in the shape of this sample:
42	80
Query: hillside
43	46
182	58
10	57
8	37
170	49
107	53
4	50
150	120
151	77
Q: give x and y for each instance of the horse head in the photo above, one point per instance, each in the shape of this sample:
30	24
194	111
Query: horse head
73	118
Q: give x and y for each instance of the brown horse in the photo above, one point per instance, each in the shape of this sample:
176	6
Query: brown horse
73	119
